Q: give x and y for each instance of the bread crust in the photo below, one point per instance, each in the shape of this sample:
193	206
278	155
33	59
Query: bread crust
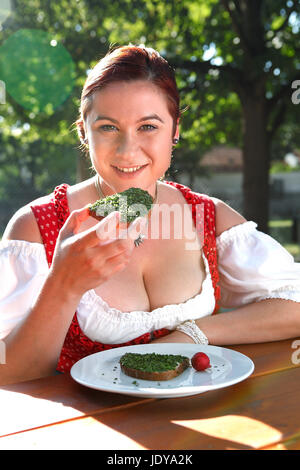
93	214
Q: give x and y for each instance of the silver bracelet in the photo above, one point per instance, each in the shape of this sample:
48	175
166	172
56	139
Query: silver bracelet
191	329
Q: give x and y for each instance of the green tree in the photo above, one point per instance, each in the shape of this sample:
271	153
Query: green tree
254	46
235	63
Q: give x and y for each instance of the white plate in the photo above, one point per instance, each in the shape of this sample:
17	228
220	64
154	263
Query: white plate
102	371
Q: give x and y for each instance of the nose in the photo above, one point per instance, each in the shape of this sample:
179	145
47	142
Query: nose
127	146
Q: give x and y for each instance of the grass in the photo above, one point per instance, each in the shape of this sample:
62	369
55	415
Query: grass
294	249
275	224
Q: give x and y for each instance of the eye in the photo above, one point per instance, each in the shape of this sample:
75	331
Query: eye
107	127
148	127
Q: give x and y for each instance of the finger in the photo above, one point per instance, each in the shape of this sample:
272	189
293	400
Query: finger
74	221
136	228
119	242
103	231
82	215
113	259
110	230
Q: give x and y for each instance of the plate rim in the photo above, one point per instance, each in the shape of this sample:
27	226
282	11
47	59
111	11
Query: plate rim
156	392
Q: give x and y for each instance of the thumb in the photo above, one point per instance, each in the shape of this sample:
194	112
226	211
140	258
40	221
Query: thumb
73	222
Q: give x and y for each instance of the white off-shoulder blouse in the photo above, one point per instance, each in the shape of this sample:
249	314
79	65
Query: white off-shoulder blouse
252	267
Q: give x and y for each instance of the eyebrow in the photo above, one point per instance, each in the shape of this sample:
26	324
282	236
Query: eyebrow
145	118
151	116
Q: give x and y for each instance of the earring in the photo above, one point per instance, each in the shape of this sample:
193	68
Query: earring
175	141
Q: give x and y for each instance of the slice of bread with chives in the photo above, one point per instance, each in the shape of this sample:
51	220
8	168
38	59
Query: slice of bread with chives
131	203
153	366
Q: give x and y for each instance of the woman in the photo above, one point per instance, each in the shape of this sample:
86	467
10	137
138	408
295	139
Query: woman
56	260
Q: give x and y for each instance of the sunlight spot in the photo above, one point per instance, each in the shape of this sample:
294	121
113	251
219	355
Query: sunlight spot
240	429
209	52
68	435
276	447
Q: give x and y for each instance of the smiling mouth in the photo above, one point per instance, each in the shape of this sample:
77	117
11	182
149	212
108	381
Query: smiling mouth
132	169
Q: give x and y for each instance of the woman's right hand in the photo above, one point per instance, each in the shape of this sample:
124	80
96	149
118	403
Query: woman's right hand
82	261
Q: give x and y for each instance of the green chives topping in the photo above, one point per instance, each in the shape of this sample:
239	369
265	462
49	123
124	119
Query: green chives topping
151	362
131	203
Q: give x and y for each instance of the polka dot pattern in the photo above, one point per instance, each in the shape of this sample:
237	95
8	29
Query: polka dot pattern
46	218
52	215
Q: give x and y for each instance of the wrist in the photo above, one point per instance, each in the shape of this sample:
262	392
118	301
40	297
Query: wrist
191	329
183	337
61	290
174	337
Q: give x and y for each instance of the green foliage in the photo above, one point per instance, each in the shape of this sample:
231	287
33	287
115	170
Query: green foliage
282	167
216	47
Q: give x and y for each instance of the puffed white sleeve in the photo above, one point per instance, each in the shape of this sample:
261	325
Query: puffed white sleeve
253	267
23	269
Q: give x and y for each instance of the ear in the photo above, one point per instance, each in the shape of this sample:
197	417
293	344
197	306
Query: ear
176	135
80	130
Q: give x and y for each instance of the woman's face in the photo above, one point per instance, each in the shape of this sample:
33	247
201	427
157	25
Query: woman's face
129	126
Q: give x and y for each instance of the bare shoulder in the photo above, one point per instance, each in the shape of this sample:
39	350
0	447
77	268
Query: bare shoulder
170	194
226	216
23	225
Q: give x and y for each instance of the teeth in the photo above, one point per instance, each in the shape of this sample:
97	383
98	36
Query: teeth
129	170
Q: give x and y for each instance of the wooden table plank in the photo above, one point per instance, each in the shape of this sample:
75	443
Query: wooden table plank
290	444
259	412
271	357
58	398
86	433
50	400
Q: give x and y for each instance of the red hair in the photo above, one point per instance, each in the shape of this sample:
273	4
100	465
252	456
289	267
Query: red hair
129	63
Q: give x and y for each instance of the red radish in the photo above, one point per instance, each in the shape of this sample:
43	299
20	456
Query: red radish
200	361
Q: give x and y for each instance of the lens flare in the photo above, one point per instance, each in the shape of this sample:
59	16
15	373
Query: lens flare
38	71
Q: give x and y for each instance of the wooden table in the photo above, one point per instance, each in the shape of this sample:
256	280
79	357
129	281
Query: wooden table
261	412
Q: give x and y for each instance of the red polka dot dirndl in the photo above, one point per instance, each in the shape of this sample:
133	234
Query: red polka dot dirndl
51	216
